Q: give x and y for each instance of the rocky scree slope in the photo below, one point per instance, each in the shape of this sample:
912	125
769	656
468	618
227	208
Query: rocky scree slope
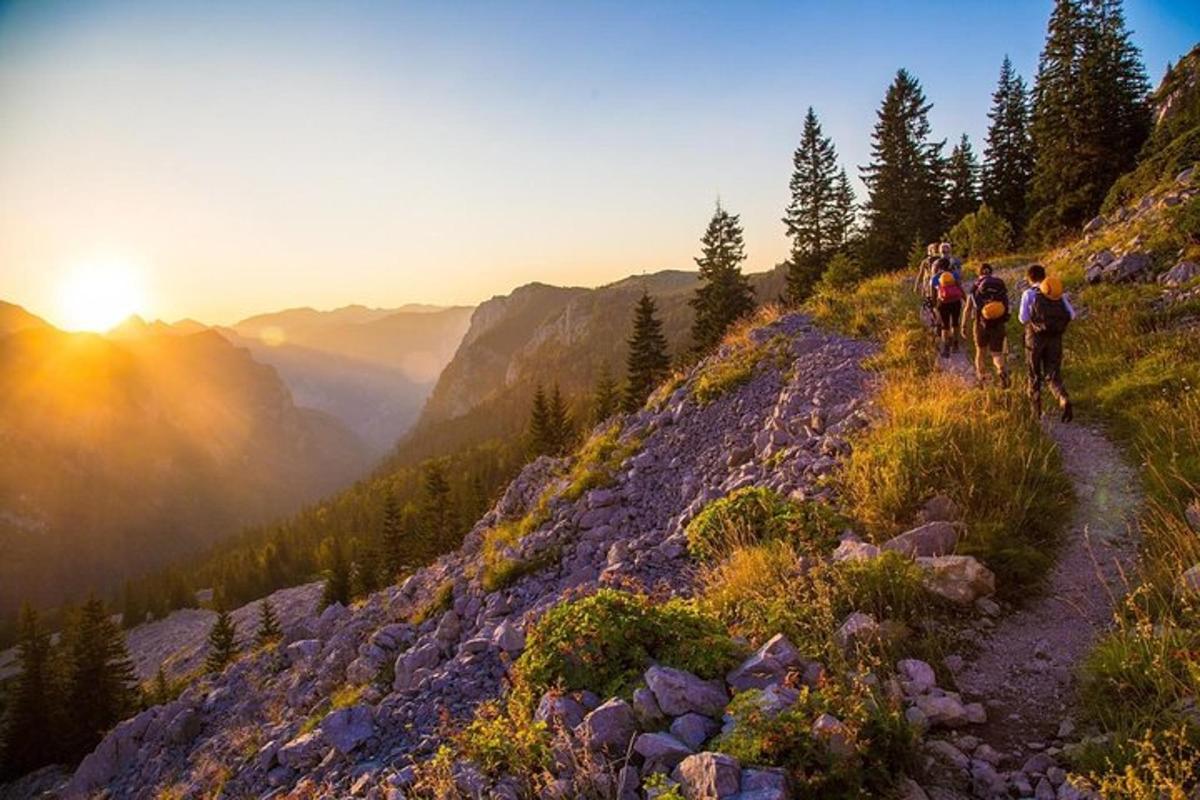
354	698
689	454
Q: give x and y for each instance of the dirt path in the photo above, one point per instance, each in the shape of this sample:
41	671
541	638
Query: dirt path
1025	671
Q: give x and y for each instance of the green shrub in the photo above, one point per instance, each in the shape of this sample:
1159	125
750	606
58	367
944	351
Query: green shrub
605	641
599	459
881	742
505	739
757	514
982	234
722	375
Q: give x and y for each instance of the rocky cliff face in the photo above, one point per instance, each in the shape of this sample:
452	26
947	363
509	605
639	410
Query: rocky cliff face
435	646
546	335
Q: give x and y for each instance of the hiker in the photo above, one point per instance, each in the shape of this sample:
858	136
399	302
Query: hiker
947	283
1045	312
925	271
987	308
923	288
947	252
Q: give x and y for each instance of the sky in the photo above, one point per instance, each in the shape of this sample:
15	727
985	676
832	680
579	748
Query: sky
241	157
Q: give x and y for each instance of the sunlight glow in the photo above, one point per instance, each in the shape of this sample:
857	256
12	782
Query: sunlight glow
98	296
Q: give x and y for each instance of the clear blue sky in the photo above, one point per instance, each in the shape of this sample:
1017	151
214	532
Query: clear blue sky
245	156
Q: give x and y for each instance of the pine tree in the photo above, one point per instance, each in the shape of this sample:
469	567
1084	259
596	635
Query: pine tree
724	295
366	568
1090	113
337	574
101	685
811	216
1008	156
541	434
32	726
606	396
904	178
844	218
559	425
648	362
962	174
268	624
161	690
222	641
391	536
437	515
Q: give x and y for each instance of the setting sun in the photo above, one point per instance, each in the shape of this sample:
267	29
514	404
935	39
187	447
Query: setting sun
98	296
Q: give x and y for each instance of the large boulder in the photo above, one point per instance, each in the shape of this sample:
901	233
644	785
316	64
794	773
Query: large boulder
1129	267
679	692
347	728
709	776
609	728
769	664
764	784
916	676
959	579
557	709
661	752
410	664
694	729
1093	271
945	710
829	729
1181	273
931	539
303	752
1189	581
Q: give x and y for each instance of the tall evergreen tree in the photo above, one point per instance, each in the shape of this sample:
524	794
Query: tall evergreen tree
648	362
32	726
268	624
102	687
222	641
962	176
606	396
391	536
811	216
160	691
904	178
844	218
337	574
1090	113
560	428
1008	155
437	513
541	428
724	295
366	567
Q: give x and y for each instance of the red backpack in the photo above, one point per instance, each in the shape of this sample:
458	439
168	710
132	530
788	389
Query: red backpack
950	292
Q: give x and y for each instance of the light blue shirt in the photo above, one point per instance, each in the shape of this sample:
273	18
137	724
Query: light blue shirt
1027	298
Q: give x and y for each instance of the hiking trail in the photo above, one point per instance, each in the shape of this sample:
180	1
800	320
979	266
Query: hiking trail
1025	669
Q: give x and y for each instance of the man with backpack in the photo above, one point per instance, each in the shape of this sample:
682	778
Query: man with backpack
922	287
987	306
947	286
1045	312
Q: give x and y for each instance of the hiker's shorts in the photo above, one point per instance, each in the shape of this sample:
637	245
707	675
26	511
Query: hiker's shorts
990	338
949	315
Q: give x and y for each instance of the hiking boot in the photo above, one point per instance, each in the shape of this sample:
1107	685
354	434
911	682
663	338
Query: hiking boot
1004	380
1068	412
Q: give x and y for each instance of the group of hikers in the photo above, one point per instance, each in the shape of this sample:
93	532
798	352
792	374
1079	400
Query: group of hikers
953	308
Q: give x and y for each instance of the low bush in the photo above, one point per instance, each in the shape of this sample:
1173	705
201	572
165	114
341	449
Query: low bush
758	514
599	459
879	743
771	588
504	738
605	641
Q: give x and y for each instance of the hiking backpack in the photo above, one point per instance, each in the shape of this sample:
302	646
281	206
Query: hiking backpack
1049	316
950	293
991	289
